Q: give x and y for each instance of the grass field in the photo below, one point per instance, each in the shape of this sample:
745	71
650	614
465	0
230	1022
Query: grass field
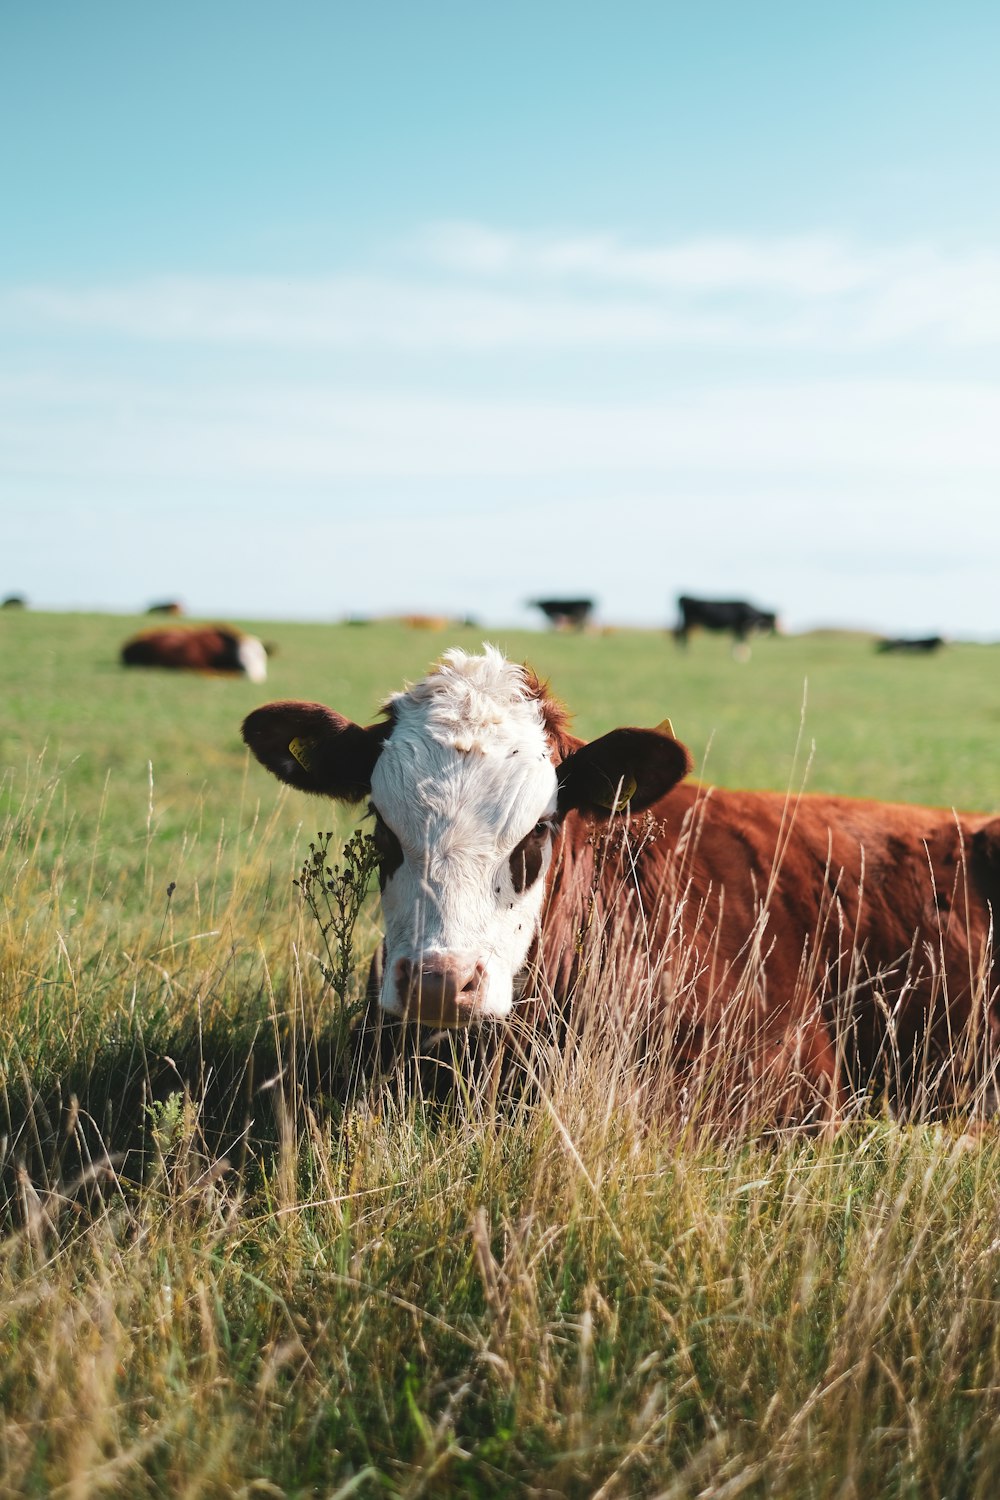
216	1280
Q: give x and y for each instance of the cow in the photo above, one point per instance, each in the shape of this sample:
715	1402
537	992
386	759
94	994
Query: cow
566	614
921	645
733	615
199	648
807	941
425	622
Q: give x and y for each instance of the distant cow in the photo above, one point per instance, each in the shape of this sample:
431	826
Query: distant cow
788	938
911	645
198	648
426	622
733	615
566	614
166	607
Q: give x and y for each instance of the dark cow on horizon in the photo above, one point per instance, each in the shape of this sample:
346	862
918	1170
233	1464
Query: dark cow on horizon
736	616
198	648
922	645
566	614
815	942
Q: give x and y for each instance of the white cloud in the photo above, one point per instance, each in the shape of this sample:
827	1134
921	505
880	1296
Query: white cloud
797	265
850	294
332	432
352	313
476	289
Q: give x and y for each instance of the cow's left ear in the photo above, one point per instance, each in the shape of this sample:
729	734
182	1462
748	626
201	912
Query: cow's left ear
625	768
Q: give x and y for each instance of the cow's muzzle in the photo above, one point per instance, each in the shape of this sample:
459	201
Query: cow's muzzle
439	989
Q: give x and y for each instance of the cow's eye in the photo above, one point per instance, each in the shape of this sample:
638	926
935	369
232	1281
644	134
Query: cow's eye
387	845
526	860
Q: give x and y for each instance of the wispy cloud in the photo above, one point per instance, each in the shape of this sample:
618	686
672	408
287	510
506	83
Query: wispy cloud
810	285
353	312
475	289
296	432
803	265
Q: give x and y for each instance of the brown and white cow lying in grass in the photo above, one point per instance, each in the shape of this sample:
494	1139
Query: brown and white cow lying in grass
807	941
198	648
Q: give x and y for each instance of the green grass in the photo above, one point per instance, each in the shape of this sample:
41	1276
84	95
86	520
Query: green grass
215	1280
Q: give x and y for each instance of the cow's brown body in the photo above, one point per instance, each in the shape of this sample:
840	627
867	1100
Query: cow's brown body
817	935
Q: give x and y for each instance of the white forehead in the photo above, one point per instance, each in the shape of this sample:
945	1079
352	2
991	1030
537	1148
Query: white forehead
468	741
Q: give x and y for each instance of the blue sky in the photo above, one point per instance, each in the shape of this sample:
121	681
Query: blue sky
316	310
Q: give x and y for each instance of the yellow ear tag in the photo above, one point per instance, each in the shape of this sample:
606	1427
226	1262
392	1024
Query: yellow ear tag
626	794
302	750
665	727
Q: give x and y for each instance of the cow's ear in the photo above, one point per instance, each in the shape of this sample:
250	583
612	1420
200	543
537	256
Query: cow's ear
315	749
626	768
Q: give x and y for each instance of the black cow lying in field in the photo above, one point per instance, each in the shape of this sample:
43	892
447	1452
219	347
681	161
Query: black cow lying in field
734	615
807	945
911	645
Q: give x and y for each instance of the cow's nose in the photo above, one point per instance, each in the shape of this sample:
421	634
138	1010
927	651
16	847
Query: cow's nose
440	989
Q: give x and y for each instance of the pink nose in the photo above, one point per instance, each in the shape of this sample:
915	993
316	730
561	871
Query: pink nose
439	989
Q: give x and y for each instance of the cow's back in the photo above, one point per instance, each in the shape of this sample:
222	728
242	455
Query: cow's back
865	917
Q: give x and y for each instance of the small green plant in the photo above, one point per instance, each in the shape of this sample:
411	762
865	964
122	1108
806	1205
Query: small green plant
170	1121
175	1137
335	894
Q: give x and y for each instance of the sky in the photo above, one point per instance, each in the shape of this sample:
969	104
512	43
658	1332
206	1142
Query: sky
323	310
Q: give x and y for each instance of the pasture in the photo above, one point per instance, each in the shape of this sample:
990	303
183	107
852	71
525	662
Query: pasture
218	1279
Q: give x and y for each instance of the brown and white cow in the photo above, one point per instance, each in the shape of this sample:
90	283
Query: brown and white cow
795	932
198	648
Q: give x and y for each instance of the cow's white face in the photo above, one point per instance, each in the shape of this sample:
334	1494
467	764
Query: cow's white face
464	799
252	658
463	785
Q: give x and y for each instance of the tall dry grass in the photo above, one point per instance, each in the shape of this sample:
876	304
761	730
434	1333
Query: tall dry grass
222	1276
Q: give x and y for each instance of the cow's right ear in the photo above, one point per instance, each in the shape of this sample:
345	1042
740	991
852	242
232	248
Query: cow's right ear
315	749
